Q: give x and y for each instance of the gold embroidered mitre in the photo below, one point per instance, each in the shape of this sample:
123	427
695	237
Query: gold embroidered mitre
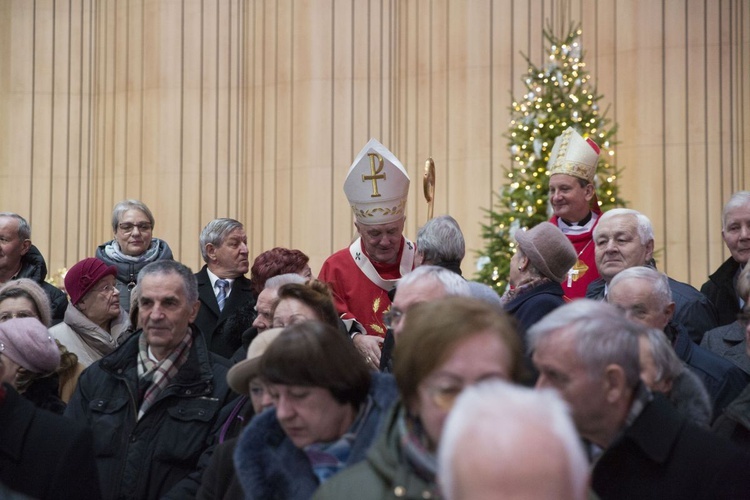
573	155
377	185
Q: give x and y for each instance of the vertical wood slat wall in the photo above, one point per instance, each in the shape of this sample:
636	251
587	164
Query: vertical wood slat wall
254	110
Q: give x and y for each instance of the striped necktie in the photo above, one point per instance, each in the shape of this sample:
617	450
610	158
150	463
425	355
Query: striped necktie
221	298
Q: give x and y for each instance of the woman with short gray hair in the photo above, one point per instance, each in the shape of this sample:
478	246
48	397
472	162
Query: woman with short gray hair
133	246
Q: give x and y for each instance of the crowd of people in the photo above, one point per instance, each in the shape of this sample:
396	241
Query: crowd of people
390	375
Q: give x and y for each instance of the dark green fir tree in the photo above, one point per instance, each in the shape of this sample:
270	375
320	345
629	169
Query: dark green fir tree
559	94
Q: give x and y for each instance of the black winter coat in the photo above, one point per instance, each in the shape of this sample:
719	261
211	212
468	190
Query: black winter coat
534	304
159	454
44	455
34	268
720	291
661	456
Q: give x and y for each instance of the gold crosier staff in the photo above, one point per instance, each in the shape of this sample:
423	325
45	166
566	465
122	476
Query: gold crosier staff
428	184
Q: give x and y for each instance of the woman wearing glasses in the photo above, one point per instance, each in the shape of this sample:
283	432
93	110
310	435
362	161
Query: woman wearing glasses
446	345
133	246
94	323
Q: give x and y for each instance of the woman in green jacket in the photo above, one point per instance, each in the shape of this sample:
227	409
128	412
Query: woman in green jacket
446	346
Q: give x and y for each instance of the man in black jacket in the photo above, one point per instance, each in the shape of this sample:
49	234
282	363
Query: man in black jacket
20	259
721	287
227	301
639	445
624	238
644	295
154	403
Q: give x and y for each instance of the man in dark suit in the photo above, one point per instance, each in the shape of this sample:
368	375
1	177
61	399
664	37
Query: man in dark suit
624	238
226	296
644	295
640	446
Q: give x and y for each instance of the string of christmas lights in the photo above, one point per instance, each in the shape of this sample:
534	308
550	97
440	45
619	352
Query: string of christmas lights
558	94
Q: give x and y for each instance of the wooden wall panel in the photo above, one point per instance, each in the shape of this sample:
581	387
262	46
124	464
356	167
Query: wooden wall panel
703	230
676	181
310	133
717	195
254	109
341	101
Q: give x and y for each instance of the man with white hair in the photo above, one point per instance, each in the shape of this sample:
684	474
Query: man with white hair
641	447
425	283
624	238
644	295
538	454
721	287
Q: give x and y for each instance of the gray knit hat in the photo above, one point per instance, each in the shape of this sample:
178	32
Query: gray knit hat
548	250
25	287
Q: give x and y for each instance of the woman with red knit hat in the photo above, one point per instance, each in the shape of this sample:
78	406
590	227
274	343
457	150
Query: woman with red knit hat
94	323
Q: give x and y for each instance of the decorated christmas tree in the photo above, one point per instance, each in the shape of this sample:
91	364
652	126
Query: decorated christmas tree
558	95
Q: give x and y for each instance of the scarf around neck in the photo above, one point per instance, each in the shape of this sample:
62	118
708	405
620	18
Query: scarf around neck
414	444
155	377
329	458
114	252
524	287
92	334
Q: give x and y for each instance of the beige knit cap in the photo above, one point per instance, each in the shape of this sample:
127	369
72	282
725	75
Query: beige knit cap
30	288
548	250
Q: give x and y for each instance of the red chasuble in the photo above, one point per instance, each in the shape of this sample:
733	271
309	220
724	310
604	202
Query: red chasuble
584	271
357	296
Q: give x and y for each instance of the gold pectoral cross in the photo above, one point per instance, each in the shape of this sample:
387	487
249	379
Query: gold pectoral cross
375	173
577	271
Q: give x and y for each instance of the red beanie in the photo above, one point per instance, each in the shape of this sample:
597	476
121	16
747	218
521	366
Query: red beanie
84	275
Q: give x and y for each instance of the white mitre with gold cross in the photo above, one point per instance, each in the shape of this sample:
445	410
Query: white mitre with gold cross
377	185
